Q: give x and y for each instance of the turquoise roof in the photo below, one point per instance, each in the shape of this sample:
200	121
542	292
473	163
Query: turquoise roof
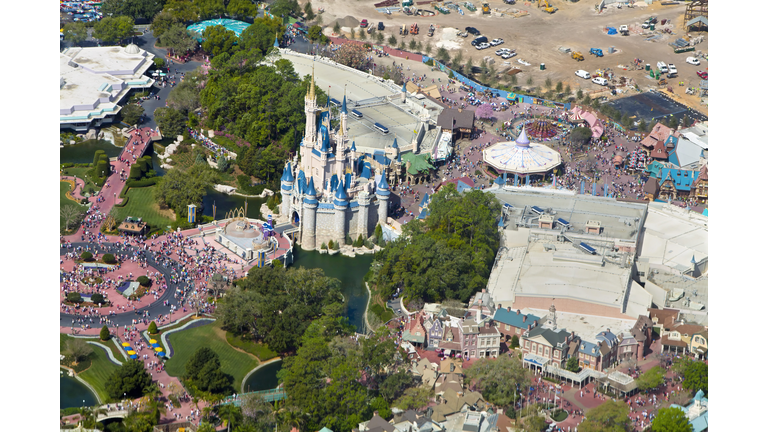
344	104
683	179
513	319
236	26
394	144
353	148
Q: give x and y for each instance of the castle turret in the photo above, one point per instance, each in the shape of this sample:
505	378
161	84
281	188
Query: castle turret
340	204
353	158
286	186
382	193
310	108
402	93
343	120
363	201
310	216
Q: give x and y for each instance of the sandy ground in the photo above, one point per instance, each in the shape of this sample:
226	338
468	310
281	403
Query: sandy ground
537	37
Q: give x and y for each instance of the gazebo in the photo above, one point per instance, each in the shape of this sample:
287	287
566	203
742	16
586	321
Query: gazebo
521	157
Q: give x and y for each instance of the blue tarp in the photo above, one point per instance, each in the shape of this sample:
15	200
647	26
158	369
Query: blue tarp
611	31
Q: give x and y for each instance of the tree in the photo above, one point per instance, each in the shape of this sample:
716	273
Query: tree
261	34
308	12
395	385
284	8
392	41
113	30
581	135
336	28
208	9
86	256
218	39
97	298
412	45
515	342
442	55
162	22
132	113
170	121
74	297
414	398
240	9
185	96
529	81
314	32
104	333
75	32
534	423
674	122
352	55
579	94
178	39
498	379
558	87
671	419
380	38
152	328
401	46
177	188
696	377
609	417
132	8
428	48
548	82
108	258
144	281
131	379
484	111
70	214
78	349
572	364
457	59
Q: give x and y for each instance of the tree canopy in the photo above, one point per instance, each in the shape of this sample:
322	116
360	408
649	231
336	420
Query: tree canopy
112	30
75	32
696	377
177	188
218	39
448	256
285	8
132	8
651	378
609	417
131	379
239	9
178	39
498	379
170	121
671	419
203	371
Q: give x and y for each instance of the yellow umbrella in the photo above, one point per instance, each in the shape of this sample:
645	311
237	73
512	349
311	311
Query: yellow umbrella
158	349
131	352
126	344
152	341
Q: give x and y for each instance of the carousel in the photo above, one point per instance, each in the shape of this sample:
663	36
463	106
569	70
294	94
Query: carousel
521	157
542	129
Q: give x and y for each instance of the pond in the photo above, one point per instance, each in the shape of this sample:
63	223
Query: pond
83	152
225	203
72	393
349	270
265	378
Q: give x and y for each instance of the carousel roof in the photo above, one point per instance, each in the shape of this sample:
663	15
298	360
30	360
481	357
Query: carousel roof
521	156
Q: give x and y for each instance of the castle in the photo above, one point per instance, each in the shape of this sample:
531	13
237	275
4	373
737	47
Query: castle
330	191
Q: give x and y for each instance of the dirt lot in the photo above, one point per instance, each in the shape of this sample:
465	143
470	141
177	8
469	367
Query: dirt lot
537	36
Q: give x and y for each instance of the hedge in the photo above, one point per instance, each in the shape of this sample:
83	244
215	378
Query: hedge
86	256
143	281
109	259
145	182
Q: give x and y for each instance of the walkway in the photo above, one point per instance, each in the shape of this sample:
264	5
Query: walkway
79	184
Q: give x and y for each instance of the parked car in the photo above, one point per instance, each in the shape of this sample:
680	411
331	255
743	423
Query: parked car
600	81
508	55
364	23
482	45
479	40
693	61
472	31
381	26
703	75
500	51
662	67
497	41
583	74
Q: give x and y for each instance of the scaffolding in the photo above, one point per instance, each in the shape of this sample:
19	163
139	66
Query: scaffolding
696	9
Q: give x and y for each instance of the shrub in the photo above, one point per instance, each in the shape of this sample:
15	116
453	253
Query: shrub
97	156
336	246
143	281
109	259
152	328
348	240
102	168
86	256
135	172
74	297
324	246
97	298
330	244
104	333
515	342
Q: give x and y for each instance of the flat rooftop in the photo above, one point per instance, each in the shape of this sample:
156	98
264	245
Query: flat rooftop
586	326
113	60
671	237
400	123
82	89
617	219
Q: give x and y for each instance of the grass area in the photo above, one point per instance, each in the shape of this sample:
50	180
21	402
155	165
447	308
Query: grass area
560	415
186	342
101	367
141	203
258	349
64	201
80	172
226	143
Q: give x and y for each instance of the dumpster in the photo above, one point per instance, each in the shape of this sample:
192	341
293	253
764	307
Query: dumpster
653	27
541	66
647	67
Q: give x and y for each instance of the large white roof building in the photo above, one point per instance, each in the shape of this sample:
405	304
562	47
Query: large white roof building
94	81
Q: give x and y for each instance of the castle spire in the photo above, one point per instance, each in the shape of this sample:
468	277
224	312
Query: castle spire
312	83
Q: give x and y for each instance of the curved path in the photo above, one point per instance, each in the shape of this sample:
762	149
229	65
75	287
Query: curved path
190	325
109	352
155	308
79	184
248	375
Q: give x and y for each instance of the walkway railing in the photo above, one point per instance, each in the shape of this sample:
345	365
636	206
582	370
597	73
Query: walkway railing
267	395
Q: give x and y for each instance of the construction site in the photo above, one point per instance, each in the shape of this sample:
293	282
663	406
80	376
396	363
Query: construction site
622	41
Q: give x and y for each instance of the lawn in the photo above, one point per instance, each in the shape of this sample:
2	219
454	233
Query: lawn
80	172
259	350
186	342
227	143
64	201
100	370
142	204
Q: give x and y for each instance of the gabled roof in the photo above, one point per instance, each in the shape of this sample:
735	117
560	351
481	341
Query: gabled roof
553	337
514	318
682	179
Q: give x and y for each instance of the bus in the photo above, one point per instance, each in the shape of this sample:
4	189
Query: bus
379	127
356	114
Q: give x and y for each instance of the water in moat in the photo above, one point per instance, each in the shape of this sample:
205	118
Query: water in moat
83	152
349	270
265	378
225	203
72	393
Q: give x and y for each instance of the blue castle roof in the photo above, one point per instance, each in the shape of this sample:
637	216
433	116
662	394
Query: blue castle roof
366	172
353	148
302	182
382	188
325	139
344	104
340	199
394	144
311	197
287	174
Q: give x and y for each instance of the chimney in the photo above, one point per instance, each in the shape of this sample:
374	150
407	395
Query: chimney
487	325
375	413
509	309
529	326
518	312
607	330
525	317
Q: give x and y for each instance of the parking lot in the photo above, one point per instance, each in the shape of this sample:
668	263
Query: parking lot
538	36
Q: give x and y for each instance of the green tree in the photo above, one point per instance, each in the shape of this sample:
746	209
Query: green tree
133	8
314	32
579	94
498	379
75	32
132	113
515	342
240	9
428	48
336	28
97	298
548	82
558	87
86	256
412	45
285	8
261	34
74	297
177	188
572	364
696	377
78	349
392	41
112	30
178	39
308	12
414	398
581	135
379	37
104	333
208	9
161	23
609	417
218	39
183	11
152	328
534	423
395	385
442	55
170	121
671	419
131	379
529	81
674	122
643	126
651	378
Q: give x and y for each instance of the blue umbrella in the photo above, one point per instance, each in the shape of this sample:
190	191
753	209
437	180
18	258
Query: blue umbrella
161	354
154	345
127	348
134	356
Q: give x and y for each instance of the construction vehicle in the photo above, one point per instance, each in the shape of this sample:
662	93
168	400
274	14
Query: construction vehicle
486	9
431	30
577	56
404	30
414	29
548	8
624	30
596	51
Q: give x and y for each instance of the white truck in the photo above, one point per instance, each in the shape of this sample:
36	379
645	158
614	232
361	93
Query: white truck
662	67
624	30
671	71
